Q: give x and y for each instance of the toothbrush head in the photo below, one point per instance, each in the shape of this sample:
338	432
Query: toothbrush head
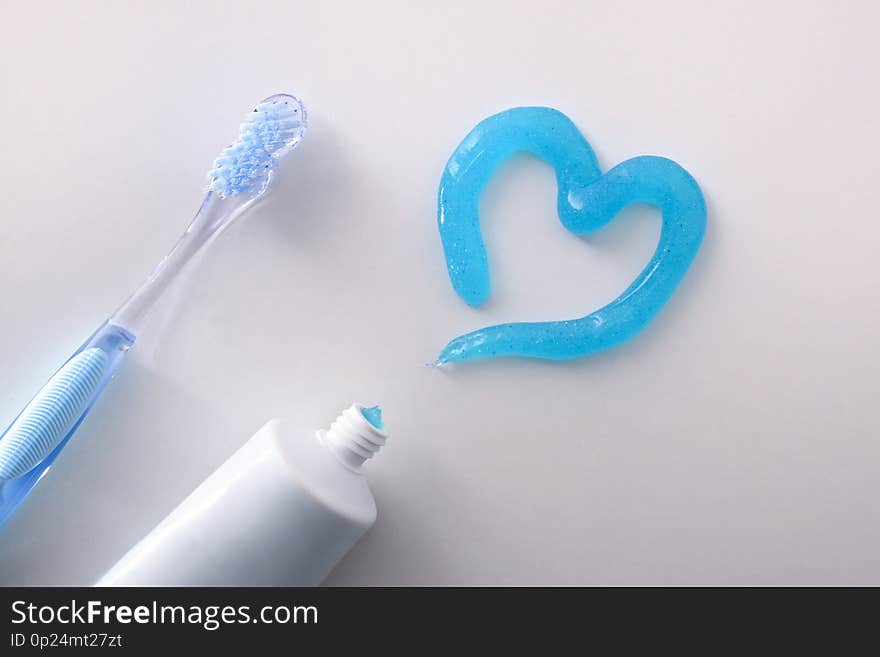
271	131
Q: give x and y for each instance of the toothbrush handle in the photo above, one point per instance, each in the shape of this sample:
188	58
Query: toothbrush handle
35	438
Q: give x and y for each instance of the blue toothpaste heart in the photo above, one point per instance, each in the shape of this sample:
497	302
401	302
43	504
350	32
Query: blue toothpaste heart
587	201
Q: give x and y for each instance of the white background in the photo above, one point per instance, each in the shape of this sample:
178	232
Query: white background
734	441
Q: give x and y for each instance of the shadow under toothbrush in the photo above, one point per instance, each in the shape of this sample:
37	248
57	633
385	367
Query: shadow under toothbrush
307	195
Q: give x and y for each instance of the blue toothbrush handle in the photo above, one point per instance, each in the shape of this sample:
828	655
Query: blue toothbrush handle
35	438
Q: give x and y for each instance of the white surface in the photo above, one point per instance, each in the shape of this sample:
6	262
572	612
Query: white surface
735	441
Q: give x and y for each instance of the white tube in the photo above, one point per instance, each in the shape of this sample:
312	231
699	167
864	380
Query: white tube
281	511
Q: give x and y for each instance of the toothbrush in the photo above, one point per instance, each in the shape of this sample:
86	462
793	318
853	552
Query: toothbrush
241	175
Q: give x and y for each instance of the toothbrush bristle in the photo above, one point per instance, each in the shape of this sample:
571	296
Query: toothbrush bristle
271	130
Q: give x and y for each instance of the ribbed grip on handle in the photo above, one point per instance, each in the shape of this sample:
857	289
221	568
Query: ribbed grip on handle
36	437
52	413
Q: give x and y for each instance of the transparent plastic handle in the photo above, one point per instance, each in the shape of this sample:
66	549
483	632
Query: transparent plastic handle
35	438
